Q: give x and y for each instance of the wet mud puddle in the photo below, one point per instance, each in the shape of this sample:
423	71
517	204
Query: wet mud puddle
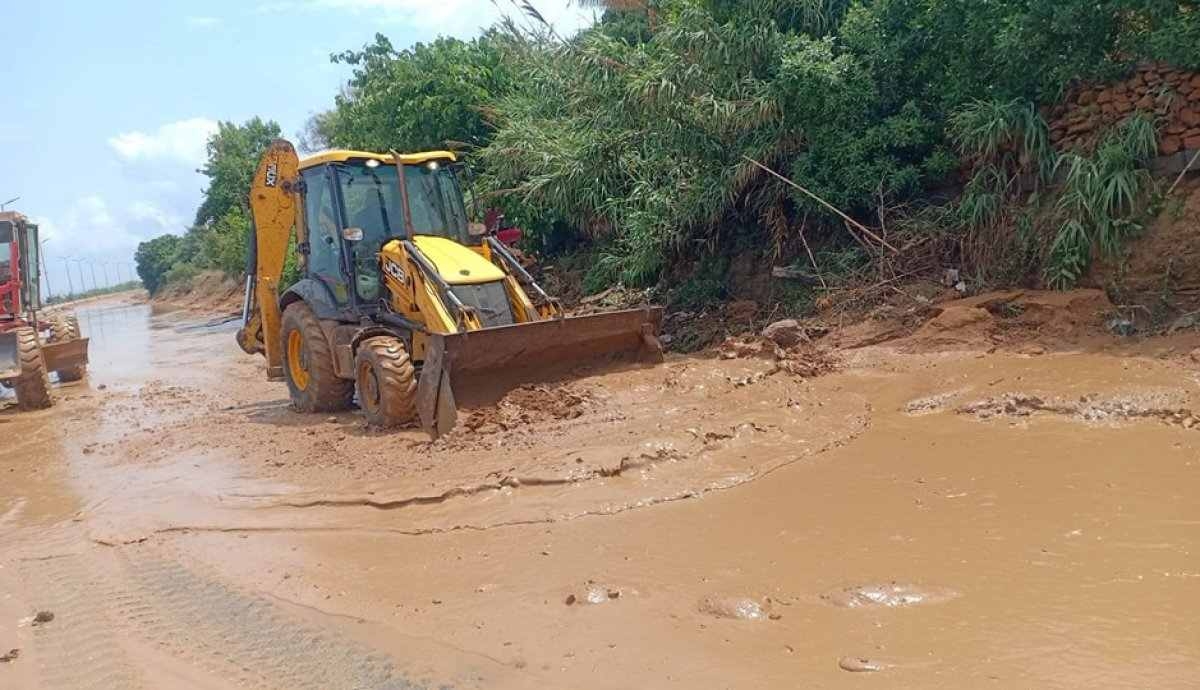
929	520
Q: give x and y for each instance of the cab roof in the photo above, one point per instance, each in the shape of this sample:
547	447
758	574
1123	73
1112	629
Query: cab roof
344	155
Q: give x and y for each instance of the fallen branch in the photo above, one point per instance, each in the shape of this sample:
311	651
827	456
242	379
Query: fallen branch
1183	172
862	228
812	259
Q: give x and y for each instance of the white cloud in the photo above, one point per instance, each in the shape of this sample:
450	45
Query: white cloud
90	227
454	17
183	141
149	212
203	22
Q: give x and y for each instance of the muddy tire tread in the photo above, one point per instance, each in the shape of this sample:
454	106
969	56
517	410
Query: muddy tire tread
33	387
326	391
397	380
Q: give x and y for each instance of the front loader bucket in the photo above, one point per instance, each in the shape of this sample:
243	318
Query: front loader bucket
10	363
66	355
482	365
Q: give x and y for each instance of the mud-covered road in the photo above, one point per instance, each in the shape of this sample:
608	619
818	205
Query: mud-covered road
918	519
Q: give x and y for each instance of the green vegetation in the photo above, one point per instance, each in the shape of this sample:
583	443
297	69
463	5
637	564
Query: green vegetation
218	238
107	290
635	138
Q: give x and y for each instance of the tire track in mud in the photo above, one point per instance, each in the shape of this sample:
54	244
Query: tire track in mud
107	602
76	650
245	638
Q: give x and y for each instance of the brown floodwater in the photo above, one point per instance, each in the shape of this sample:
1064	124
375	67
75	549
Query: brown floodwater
928	519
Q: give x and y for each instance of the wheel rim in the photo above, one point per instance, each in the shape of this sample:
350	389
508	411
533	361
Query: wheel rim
297	357
368	387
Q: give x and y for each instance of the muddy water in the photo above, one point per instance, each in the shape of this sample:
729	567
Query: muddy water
921	520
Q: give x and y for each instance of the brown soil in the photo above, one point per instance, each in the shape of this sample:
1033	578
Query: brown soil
1159	277
993	491
209	292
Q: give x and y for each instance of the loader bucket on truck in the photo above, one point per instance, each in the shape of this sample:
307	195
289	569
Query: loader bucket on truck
478	366
66	355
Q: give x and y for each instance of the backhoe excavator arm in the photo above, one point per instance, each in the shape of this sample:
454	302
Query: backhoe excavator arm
274	205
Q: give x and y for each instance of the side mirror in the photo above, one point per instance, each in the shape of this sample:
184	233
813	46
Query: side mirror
352	234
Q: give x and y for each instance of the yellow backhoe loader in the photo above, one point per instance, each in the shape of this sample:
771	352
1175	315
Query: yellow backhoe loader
400	297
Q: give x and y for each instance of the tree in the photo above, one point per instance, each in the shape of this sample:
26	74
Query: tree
233	154
154	258
431	96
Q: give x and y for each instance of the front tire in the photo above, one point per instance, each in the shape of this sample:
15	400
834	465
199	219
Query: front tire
387	382
33	387
308	364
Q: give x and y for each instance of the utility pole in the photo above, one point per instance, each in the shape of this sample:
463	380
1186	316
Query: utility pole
92	267
82	282
67	270
104	267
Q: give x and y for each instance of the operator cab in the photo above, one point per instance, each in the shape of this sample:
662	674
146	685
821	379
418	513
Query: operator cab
355	204
19	260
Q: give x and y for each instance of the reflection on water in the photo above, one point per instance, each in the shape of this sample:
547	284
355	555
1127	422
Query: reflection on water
120	341
130	343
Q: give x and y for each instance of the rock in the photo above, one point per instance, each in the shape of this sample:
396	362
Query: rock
733	608
1086	98
1195	355
1104	96
11	656
1122	326
43	617
741	310
1190	117
1080	127
856	664
1170	144
1145	103
1192	142
785	333
1196	81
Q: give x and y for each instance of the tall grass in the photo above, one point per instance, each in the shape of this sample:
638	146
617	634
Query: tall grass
1098	206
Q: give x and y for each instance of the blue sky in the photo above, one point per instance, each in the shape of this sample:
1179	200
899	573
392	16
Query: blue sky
108	104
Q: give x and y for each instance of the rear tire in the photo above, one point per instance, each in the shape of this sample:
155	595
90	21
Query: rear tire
387	382
308	364
33	388
64	329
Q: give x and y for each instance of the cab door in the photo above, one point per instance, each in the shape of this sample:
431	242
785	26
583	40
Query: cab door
31	277
325	260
